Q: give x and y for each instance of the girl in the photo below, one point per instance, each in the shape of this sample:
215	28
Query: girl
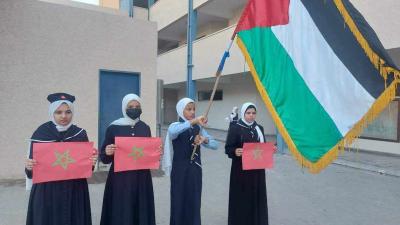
183	166
247	190
128	195
59	202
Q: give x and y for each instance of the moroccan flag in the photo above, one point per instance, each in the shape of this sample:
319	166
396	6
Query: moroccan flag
136	153
258	156
62	161
321	71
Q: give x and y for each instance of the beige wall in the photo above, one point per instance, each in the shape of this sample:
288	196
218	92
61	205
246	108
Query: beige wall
236	17
49	48
170	100
209	28
113	4
82	5
383	16
377	146
237	89
140	13
207	54
165	12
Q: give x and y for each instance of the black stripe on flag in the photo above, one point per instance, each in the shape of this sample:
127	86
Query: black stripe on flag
342	41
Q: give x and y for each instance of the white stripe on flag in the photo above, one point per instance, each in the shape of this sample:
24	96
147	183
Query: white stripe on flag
339	93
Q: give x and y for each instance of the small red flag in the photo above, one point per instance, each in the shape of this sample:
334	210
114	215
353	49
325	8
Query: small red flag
258	156
62	161
136	153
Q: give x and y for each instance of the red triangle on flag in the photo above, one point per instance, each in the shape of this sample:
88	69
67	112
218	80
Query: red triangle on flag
263	13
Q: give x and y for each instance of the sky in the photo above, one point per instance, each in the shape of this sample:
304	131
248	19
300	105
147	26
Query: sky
93	2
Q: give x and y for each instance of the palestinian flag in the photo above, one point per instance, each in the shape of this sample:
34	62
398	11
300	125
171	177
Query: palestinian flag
321	71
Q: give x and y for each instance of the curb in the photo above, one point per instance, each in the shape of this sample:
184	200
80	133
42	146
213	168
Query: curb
366	167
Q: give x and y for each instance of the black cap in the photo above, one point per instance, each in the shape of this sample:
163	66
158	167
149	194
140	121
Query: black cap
60	96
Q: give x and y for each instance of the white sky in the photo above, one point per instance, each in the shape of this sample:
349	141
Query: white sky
93	2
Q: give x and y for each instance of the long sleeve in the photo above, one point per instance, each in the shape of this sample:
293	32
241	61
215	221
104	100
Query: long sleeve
232	142
85	138
212	143
148	131
262	132
29	173
109	139
177	128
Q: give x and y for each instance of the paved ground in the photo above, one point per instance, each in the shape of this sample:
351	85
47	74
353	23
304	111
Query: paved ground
354	191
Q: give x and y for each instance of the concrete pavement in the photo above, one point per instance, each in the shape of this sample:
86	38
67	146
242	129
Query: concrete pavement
339	195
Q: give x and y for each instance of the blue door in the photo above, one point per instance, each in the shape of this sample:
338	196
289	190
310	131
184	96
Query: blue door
114	85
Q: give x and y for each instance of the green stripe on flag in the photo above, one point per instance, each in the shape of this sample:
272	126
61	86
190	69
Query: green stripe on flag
302	113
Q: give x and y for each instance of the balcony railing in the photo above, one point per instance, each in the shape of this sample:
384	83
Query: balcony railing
207	52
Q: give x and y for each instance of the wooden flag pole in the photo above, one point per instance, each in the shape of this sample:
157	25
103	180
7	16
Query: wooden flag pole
218	75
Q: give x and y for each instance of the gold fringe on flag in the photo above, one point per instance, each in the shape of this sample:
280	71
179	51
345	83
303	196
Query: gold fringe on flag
315	167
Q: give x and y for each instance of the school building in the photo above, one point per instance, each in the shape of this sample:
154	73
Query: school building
97	54
215	21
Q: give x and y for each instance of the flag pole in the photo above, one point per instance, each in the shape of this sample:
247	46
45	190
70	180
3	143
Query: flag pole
218	75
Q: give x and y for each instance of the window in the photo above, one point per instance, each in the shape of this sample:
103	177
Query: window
386	127
206	95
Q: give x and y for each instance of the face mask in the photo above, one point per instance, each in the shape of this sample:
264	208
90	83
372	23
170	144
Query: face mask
134	113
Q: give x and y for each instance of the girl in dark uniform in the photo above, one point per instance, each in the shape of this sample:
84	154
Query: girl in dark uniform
247	189
185	170
59	202
128	195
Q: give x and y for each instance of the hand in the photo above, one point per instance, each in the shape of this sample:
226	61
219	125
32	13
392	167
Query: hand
110	149
201	120
205	140
239	152
94	156
200	140
30	163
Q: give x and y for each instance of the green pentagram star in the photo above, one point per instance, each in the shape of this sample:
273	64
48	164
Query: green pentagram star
136	153
63	159
257	153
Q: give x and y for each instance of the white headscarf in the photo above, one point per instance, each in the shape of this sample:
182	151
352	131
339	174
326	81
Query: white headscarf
245	106
168	148
180	107
243	111
126	120
53	107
